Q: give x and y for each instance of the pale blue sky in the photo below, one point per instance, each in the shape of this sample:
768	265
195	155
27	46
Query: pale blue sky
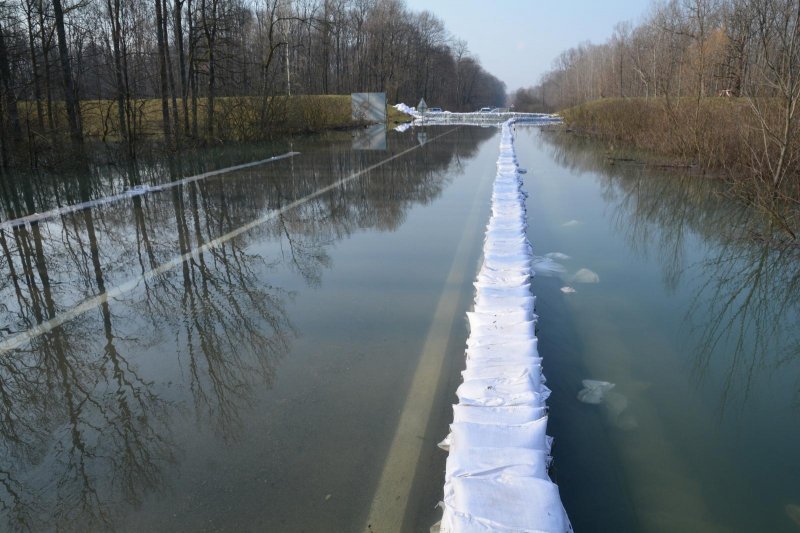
517	40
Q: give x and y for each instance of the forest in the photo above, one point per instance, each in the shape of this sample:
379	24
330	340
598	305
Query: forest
712	84
214	69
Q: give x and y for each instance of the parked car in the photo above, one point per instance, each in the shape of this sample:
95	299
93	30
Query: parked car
434	110
485	110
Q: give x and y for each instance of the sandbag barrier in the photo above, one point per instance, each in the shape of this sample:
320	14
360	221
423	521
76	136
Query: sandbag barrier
497	477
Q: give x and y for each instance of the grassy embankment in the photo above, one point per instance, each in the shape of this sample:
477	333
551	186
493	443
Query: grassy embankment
236	118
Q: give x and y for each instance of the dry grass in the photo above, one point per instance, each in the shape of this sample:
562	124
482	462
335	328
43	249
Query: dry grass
712	134
722	135
236	118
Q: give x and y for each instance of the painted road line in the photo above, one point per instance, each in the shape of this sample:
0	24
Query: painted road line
23	338
393	492
137	191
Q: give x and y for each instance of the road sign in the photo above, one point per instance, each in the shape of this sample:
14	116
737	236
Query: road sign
422	106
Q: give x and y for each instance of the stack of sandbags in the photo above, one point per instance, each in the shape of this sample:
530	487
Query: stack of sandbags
499	453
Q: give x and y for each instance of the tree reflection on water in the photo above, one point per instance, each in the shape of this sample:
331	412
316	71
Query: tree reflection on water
746	307
86	407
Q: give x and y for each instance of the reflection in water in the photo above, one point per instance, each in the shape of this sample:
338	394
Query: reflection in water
746	308
370	138
86	407
694	321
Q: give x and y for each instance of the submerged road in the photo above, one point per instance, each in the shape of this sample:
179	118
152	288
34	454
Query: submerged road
20	339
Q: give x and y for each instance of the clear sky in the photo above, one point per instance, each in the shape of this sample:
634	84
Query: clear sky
517	40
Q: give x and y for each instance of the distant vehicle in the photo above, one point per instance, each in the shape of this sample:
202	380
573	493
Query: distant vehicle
434	110
485	110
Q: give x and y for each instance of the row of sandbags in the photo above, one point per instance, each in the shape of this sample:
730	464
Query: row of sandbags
499	453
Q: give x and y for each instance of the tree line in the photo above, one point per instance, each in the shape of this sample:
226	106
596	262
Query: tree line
181	60
715	83
682	48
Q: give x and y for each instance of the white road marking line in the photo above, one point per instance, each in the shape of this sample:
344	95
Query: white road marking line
20	339
37	217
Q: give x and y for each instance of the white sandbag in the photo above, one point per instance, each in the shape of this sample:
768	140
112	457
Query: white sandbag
478	462
524	349
516	223
481	392
499	262
507	414
522	249
487	340
501	292
529	370
497	272
502	325
503	279
510	241
531	435
477	318
505	504
499	305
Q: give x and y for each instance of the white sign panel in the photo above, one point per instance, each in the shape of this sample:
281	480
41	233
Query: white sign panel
369	107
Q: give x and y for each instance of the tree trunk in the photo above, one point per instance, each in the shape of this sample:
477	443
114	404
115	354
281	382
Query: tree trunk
210	30
162	69
170	74
116	37
182	64
70	94
192	64
37	89
7	87
48	87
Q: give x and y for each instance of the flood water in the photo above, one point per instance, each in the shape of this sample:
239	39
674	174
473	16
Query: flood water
696	324
276	348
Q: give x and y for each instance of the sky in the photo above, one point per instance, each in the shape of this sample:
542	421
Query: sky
517	40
